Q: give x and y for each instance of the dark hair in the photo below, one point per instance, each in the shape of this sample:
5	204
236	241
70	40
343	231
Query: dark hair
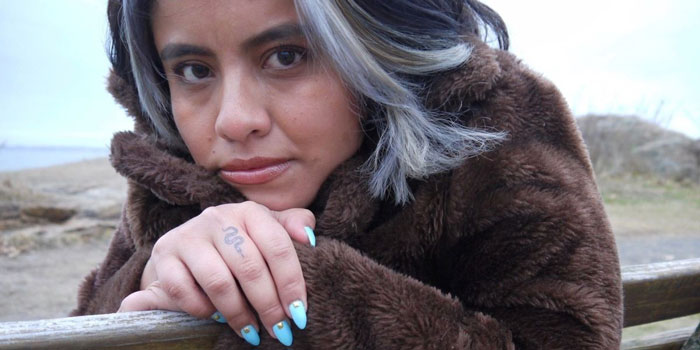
435	18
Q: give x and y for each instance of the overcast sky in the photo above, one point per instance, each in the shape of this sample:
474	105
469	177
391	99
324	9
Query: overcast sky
623	56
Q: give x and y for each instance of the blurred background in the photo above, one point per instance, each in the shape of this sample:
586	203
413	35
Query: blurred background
629	70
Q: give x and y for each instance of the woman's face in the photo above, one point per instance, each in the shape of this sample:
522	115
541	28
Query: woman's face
249	100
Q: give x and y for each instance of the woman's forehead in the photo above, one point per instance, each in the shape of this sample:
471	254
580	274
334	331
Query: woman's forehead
231	17
243	10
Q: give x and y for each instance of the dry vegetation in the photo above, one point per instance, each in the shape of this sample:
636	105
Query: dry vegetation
649	179
629	146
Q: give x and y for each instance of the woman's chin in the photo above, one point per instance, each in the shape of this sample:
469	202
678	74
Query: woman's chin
279	200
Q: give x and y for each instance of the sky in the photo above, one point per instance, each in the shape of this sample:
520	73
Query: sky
623	57
626	57
53	69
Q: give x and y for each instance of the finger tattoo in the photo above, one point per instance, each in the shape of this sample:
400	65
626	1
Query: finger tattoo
233	238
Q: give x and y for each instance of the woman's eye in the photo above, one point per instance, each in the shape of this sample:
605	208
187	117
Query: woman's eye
285	58
193	73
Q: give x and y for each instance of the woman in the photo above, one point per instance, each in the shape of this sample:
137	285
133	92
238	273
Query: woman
453	199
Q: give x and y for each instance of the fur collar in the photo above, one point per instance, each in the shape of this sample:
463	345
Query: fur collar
343	207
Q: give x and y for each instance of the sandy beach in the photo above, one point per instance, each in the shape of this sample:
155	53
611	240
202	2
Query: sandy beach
55	226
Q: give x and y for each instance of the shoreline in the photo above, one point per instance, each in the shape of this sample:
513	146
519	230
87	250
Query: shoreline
21	158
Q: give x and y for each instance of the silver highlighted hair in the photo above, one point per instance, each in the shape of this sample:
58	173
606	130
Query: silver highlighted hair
413	142
155	102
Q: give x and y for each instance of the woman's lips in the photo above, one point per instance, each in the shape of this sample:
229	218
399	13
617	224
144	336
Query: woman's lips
254	171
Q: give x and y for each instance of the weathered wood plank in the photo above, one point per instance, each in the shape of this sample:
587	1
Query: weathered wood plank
131	330
652	292
693	343
206	343
668	340
661	291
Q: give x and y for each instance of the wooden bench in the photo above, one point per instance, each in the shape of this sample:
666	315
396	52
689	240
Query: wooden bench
657	292
653	293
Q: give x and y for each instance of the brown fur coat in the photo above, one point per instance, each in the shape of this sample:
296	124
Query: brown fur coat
512	250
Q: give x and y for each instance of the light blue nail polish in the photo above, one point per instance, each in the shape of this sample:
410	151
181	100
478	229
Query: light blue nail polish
218	317
250	335
311	235
298	312
283	332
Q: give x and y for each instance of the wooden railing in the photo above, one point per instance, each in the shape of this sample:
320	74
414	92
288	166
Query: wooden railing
653	293
658	292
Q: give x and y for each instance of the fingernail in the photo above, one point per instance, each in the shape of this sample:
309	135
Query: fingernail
250	335
311	235
218	317
298	312
283	333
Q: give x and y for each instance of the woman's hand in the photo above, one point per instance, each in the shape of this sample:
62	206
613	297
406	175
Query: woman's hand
234	258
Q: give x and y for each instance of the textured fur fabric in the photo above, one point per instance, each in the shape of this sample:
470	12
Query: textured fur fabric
512	250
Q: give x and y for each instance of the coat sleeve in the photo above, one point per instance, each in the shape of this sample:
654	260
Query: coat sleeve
118	276
356	303
534	249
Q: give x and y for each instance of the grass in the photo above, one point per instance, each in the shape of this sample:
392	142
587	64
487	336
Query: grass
632	190
638	205
645	205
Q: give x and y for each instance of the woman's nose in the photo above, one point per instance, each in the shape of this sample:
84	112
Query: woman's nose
242	112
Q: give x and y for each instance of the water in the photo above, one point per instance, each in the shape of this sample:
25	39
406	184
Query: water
22	157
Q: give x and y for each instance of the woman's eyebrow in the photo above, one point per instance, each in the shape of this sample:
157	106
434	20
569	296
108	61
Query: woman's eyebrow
280	32
171	51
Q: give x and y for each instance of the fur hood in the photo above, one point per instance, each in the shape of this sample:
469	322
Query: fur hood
510	250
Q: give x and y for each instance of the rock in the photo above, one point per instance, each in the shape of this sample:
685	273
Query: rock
631	146
9	211
10	216
671	158
51	214
109	212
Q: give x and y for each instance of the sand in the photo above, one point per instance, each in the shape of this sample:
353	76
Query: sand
43	262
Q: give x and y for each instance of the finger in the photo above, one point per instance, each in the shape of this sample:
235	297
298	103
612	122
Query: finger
251	271
214	277
299	224
279	253
149	274
179	285
151	298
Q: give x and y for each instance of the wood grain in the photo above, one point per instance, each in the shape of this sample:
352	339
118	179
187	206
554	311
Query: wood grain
661	291
130	330
668	340
653	292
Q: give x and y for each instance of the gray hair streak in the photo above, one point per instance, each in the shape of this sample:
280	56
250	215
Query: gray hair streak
414	142
148	77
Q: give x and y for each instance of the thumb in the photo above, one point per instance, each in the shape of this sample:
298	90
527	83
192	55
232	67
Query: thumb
299	223
151	298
